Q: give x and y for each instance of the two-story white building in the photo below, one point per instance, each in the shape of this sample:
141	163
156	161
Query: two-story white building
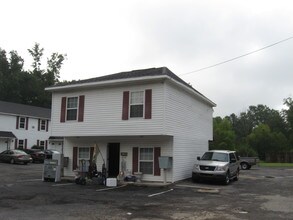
130	119
23	126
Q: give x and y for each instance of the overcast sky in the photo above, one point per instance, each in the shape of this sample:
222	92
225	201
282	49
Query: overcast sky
105	37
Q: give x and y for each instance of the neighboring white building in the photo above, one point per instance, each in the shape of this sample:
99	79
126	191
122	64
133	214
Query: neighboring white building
133	118
23	126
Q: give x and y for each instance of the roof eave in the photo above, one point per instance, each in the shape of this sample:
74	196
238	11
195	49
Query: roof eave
106	83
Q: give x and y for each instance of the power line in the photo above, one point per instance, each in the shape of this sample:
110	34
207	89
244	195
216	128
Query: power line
238	57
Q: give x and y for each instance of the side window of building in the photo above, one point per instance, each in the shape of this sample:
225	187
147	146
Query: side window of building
72	109
146	160
43	125
21	144
137	104
22	122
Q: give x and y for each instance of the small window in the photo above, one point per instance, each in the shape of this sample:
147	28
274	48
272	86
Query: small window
136	104
72	109
84	158
42	144
43	125
146	160
21	144
22	122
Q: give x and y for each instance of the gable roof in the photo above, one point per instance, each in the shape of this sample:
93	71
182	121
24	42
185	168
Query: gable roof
152	73
24	110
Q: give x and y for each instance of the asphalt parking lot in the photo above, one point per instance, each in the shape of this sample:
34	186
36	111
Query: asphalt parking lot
259	194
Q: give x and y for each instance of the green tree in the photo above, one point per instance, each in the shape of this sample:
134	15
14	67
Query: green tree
288	116
224	136
28	87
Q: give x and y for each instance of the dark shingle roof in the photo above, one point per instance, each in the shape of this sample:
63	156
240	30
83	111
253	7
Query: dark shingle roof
24	110
7	134
131	74
161	71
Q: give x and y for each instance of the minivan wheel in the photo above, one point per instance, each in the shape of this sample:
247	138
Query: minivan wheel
227	178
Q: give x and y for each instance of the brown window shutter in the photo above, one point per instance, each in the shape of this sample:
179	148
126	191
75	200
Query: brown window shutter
25	143
81	108
38	143
148	104
26	124
46	144
17	122
134	159
91	154
39	124
47	126
63	109
15	143
125	107
157	154
74	158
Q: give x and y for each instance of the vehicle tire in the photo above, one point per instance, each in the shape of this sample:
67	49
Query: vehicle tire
244	166
236	178
12	161
25	163
248	167
227	178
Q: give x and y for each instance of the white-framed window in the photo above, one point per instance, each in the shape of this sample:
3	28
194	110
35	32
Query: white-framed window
71	108
83	158
22	122
42	144
136	104
43	124
21	144
146	160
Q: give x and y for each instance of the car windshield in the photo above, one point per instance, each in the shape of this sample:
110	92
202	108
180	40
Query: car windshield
215	156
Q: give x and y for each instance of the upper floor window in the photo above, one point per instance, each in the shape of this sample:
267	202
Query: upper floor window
43	124
71	110
22	122
136	104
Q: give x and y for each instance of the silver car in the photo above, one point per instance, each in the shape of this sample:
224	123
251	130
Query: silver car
15	156
217	165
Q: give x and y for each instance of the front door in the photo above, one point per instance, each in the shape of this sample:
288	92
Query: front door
113	159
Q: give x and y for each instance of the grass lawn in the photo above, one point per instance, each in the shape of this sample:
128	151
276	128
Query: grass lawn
263	164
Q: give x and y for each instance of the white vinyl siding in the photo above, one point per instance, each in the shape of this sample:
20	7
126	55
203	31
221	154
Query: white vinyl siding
103	113
190	121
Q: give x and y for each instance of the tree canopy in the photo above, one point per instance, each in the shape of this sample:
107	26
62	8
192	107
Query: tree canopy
28	86
257	131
